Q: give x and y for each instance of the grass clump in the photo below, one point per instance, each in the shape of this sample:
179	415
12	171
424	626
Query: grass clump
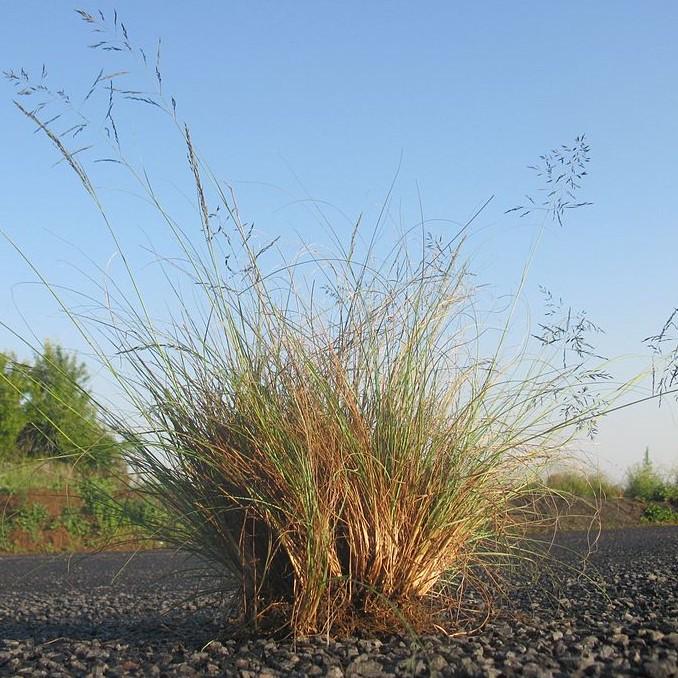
351	460
345	460
332	432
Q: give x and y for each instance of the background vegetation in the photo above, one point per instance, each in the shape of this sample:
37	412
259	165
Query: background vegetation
47	413
643	482
61	469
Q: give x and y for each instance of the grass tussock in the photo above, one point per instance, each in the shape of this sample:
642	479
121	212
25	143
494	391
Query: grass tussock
340	460
334	431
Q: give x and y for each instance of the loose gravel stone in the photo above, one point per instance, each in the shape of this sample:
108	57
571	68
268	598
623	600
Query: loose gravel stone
104	616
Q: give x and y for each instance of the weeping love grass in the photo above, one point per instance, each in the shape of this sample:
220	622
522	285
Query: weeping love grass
347	456
344	459
332	431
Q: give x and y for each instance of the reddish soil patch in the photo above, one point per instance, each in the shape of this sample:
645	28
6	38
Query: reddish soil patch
53	500
45	541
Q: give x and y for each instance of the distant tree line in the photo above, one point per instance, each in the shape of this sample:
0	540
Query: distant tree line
47	411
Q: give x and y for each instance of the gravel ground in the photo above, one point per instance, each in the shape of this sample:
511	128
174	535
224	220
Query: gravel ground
85	616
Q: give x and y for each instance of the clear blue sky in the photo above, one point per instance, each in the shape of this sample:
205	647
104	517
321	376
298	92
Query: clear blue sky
320	99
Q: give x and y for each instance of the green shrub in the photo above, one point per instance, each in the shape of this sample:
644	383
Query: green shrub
644	482
659	513
144	512
100	504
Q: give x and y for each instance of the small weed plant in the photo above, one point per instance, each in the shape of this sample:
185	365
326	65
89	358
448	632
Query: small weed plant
331	432
74	522
32	518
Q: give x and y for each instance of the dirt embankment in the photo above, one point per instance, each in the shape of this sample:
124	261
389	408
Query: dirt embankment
574	514
58	521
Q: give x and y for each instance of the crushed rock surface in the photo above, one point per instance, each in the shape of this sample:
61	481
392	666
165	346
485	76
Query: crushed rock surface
112	615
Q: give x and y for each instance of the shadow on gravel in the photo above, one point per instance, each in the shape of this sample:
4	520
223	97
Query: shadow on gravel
193	633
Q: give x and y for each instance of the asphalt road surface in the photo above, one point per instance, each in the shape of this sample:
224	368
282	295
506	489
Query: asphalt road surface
112	614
